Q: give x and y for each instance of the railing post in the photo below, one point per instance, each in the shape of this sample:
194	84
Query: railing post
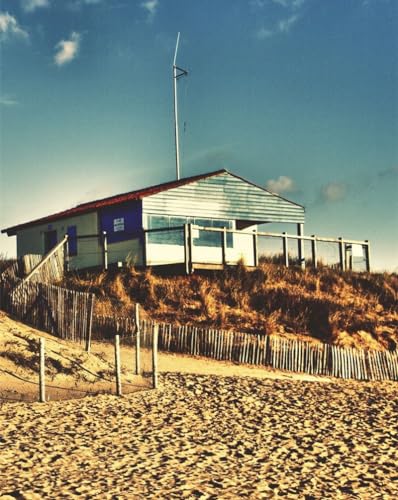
42	383
188	244
105	250
314	251
137	340
300	245
341	254
255	249
285	250
66	253
186	248
144	248
224	246
367	255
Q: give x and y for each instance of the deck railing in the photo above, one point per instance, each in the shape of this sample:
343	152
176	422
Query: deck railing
196	246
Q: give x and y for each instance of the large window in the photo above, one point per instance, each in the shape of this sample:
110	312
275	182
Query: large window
201	237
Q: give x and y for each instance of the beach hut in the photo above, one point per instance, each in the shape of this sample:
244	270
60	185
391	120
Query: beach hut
203	221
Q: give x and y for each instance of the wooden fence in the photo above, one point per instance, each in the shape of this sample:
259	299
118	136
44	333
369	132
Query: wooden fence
51	267
64	313
266	350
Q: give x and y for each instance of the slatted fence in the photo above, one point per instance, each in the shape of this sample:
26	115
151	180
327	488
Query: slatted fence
64	313
266	350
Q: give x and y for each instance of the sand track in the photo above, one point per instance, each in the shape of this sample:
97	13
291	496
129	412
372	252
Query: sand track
206	436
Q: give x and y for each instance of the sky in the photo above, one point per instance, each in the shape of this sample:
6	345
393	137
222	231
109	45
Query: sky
299	96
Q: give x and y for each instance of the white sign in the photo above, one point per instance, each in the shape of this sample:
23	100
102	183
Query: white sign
118	224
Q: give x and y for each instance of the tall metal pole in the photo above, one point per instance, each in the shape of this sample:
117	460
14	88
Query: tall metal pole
176	76
176	111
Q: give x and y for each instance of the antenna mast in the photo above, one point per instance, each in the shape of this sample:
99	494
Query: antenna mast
177	73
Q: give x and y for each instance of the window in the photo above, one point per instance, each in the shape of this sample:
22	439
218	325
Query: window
201	237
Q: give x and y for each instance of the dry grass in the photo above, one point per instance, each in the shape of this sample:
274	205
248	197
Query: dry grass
343	308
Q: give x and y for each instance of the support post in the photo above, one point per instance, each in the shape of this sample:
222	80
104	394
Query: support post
285	250
42	382
224	246
314	252
300	245
341	254
117	366
144	248
137	340
105	250
367	255
186	248
255	249
155	356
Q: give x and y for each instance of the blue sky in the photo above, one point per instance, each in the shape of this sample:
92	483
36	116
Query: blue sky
296	95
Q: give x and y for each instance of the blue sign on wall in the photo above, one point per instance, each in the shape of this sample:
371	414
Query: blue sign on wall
123	222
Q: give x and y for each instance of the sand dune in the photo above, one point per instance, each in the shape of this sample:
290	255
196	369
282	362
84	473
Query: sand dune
207	436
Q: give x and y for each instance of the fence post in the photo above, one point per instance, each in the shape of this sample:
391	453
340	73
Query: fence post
314	251
117	366
137	340
155	356
341	254
367	255
90	324
224	246
300	245
285	250
105	250
42	382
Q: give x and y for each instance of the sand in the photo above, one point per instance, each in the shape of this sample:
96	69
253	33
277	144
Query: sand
206	436
212	430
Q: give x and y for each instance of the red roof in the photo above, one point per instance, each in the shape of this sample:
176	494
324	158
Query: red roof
110	201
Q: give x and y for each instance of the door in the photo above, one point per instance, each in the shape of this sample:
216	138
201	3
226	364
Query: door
50	240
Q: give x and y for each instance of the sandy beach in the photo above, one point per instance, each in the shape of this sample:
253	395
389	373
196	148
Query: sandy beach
206	436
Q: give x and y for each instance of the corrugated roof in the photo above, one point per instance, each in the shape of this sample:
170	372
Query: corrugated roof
110	201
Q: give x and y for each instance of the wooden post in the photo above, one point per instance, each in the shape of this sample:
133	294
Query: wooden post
137	340
341	254
367	255
66	254
144	248
190	249
300	245
186	248
90	324
42	383
117	366
314	252
105	250
224	246
285	250
255	249
155	356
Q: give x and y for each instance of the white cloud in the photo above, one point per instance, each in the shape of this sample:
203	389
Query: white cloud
334	191
282	184
8	101
151	7
67	49
31	5
9	26
282	26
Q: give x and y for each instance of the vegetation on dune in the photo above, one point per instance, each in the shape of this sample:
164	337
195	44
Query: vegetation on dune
353	309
